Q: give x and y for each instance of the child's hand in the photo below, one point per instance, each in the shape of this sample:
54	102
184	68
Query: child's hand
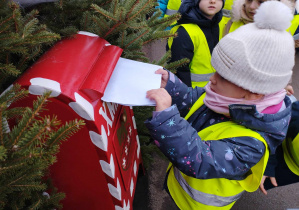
289	89
165	76
161	96
273	181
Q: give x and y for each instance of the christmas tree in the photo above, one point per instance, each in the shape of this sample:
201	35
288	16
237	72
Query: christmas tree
29	148
22	40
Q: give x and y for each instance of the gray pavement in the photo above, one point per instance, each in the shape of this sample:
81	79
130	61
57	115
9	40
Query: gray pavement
153	197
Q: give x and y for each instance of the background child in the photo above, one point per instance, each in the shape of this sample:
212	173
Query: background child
232	125
197	35
242	13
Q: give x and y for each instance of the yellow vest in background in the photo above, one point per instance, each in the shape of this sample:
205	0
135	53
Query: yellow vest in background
291	154
294	25
200	66
235	26
172	8
216	193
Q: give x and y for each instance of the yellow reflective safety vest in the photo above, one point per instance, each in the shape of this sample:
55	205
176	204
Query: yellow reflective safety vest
172	8
228	27
291	154
292	29
235	26
216	193
200	66
294	25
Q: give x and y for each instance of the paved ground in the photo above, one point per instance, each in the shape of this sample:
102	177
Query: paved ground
150	196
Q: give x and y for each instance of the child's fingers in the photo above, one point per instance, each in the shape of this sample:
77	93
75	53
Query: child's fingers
156	93
262	185
289	89
162	98
273	181
161	71
152	94
164	75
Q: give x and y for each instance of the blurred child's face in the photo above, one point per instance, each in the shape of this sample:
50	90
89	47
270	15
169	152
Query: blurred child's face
251	6
210	7
225	88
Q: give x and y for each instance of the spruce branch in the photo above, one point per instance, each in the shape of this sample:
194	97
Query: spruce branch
138	12
9	69
104	12
39	130
16	16
29	117
14	112
13	94
36	205
138	37
29	27
64	132
30	16
5	26
174	65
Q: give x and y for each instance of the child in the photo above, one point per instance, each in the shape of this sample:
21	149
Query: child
222	146
197	35
284	167
242	13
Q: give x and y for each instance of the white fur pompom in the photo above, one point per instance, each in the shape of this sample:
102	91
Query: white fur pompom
297	6
273	15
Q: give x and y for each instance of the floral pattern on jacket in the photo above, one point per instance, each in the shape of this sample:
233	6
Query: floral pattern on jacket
229	158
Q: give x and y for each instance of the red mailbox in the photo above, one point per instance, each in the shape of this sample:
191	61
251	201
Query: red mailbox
97	168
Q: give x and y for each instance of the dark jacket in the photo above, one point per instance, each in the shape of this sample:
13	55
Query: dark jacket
182	46
180	143
277	159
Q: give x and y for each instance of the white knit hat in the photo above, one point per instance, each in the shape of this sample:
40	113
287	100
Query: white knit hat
259	56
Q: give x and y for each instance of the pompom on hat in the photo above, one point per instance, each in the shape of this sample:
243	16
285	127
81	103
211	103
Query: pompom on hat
259	56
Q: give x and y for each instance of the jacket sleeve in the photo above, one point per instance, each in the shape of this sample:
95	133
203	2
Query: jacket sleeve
182	47
294	123
271	165
182	95
228	158
293	131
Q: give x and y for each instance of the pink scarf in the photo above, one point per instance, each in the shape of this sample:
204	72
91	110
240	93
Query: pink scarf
219	103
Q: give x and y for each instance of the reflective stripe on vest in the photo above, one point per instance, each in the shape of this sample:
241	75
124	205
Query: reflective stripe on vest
294	25
201	77
226	13
291	154
201	61
172	7
215	193
204	198
170	12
